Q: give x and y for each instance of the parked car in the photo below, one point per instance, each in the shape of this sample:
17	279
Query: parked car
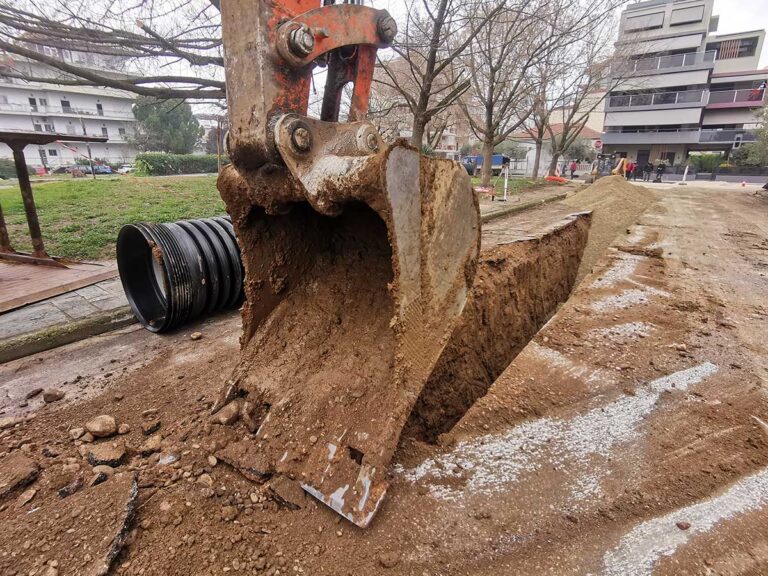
125	169
102	169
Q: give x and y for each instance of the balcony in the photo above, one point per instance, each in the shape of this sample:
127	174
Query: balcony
749	98
653	136
650	100
49	110
726	136
675	62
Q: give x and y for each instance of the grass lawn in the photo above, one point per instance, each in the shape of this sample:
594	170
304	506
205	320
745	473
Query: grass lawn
516	185
81	218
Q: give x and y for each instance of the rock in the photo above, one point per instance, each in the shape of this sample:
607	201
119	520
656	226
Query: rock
32	393
167	459
71	488
109	454
206	480
683	525
76	433
228	513
87	438
103	469
53	395
212	460
228	414
26	497
150	427
149	412
196	336
150	445
10	422
123	429
389	559
102	426
16	471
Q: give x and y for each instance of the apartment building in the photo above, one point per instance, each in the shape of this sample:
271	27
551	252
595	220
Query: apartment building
75	110
683	88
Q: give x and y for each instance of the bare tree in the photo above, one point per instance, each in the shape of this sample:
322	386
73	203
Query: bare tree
504	54
425	71
170	49
576	94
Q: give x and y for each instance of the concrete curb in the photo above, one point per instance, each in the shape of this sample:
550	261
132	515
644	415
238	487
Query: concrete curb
62	334
521	207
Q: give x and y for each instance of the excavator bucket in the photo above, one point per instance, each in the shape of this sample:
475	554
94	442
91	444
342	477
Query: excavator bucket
359	257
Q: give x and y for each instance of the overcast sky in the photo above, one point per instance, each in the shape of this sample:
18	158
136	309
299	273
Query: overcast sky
743	15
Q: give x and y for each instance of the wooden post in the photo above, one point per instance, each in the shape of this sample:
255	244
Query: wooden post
38	249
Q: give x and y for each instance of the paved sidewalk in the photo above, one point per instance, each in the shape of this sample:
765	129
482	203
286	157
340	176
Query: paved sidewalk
62	319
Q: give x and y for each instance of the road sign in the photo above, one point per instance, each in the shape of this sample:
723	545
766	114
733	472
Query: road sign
598	144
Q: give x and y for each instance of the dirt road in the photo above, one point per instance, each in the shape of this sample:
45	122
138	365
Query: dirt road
628	438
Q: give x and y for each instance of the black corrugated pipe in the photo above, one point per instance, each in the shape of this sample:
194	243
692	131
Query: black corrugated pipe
173	273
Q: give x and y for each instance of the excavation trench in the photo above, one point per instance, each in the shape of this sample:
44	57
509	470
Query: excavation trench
527	269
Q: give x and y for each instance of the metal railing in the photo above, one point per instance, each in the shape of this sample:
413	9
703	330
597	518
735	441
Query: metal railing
750	96
656	99
727	135
666	62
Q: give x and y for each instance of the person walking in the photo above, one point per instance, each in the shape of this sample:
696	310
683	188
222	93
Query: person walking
647	171
574	166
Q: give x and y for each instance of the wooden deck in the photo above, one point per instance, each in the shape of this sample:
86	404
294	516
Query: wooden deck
22	284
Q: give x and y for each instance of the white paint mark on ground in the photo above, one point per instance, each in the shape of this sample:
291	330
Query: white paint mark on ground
576	370
627	299
623	267
489	463
639	550
637	236
627	330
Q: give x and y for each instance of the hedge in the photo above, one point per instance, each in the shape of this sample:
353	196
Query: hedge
161	164
8	169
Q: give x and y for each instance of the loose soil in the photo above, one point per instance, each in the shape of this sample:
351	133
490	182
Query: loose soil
630	412
615	204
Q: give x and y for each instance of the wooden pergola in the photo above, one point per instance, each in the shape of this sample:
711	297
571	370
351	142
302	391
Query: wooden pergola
17	141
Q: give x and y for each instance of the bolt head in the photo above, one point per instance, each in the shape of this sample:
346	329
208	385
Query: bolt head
301	42
387	28
302	139
372	142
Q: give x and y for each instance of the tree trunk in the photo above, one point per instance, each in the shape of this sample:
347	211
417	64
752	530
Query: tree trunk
487	168
553	163
417	132
537	159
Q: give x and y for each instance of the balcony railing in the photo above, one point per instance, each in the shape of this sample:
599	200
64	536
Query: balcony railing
656	99
749	97
717	136
45	109
665	62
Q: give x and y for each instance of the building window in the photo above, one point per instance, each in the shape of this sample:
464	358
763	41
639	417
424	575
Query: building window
33	104
38	128
121	131
53	152
43	101
645	22
104	131
100	109
49	128
738	48
66	106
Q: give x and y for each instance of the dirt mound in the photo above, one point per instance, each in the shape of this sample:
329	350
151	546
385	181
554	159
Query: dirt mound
615	204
